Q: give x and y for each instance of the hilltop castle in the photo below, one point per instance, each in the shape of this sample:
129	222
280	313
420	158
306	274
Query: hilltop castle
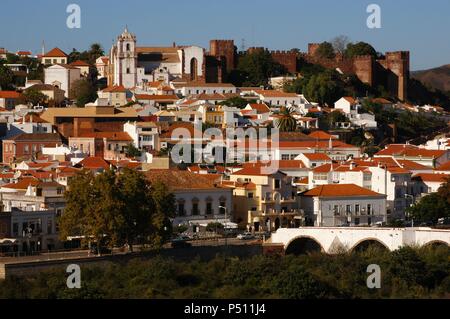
130	65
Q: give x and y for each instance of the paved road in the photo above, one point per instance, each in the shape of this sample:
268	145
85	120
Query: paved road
67	255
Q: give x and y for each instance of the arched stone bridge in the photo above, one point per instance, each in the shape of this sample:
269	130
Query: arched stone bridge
335	239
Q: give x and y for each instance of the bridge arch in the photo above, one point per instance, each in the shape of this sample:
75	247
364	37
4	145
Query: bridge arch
302	245
436	243
364	243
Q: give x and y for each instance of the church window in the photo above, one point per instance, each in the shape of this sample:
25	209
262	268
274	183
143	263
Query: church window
128	47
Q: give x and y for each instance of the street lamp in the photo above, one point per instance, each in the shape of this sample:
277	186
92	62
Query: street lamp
225	227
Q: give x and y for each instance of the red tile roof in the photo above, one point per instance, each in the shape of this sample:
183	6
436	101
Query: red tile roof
444	167
9	95
257	169
341	190
170	97
409	150
23	183
181	180
275	93
23	53
94	163
55	53
430	177
321	135
350	99
112	136
317	156
260	107
79	63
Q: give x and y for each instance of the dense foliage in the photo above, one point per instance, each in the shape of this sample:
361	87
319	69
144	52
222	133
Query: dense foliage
255	68
405	273
433	206
116	209
83	91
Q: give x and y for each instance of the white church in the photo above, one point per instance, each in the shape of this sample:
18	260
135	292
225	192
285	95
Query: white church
131	66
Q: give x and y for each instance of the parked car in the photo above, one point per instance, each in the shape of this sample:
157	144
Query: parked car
245	236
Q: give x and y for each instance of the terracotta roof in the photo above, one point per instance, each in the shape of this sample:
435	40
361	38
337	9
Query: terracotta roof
94	163
260	107
23	53
112	136
281	164
200	84
325	168
79	63
349	99
23	183
341	190
170	97
38	137
409	150
321	135
7	175
302	180
181	180
255	170
55	53
444	167
274	93
381	100
317	156
9	95
430	177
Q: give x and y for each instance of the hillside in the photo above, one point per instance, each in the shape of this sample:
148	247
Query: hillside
437	78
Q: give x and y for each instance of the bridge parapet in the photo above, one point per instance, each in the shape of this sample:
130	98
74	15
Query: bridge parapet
334	239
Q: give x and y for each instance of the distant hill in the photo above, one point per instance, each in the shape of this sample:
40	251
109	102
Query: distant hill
437	78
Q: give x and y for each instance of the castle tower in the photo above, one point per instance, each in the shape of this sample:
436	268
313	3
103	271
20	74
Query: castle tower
125	60
225	48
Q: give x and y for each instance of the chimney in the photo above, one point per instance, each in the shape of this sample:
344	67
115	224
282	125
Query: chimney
352	166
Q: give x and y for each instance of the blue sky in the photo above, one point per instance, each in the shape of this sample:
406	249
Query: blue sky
423	27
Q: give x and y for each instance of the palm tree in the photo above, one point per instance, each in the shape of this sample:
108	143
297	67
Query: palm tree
286	122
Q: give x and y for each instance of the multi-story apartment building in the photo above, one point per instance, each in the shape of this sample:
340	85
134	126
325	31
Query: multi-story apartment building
265	201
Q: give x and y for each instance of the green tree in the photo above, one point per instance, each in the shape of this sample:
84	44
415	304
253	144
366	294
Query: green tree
34	97
433	206
132	151
114	209
165	209
360	48
237	101
286	122
325	51
255	68
83	92
323	88
327	121
6	78
138	206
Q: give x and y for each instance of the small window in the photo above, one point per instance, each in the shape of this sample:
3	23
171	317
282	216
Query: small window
250	195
